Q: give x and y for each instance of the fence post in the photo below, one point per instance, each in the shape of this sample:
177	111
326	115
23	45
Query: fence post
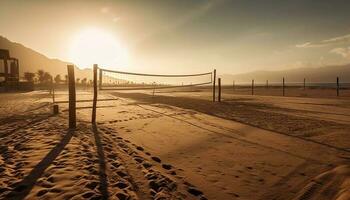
214	78
72	97
100	79
283	85
94	102
233	85
304	83
267	84
53	90
252	86
337	86
219	85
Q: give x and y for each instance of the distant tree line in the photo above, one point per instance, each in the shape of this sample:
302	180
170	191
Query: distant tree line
44	78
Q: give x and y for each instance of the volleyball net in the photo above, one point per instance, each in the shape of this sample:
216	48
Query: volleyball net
119	80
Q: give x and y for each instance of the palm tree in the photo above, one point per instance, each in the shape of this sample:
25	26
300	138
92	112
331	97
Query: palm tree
58	79
84	81
40	74
47	77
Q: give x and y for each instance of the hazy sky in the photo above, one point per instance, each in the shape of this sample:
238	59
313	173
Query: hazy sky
191	35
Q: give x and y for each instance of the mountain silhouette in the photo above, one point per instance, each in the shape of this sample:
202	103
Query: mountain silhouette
32	61
325	74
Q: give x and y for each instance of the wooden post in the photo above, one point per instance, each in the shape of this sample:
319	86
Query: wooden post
253	87
233	85
214	79
94	102
267	84
219	85
100	79
304	83
55	109
53	90
72	97
283	86
337	86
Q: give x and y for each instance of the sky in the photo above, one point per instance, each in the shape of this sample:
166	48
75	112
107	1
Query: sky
188	36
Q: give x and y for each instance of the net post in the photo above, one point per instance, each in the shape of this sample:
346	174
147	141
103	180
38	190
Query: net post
72	97
100	78
94	102
252	86
214	79
283	86
337	86
219	85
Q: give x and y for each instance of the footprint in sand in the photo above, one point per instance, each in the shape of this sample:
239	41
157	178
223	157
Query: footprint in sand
121	184
156	159
92	185
166	166
138	159
194	191
41	192
139	148
87	195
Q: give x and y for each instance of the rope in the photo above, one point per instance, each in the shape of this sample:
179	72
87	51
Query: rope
159	75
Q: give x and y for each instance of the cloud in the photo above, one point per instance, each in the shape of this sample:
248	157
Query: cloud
341	40
345	52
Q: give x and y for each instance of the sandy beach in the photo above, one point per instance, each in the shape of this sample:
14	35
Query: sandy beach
174	100
177	145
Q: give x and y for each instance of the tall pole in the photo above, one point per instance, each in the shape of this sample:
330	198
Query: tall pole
72	97
94	102
267	84
283	85
304	83
253	87
219	84
100	79
337	86
233	85
214	79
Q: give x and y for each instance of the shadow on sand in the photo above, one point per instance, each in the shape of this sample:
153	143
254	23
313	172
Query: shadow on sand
22	189
253	114
102	164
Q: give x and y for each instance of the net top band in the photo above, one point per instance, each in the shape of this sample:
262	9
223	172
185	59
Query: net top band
159	75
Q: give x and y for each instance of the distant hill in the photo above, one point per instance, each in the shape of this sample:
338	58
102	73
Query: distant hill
32	61
316	75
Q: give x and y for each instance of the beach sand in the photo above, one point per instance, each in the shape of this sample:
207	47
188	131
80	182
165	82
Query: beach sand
176	145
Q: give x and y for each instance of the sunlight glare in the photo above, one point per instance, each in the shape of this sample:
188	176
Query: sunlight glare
95	46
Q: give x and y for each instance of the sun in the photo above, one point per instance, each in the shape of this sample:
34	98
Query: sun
96	46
